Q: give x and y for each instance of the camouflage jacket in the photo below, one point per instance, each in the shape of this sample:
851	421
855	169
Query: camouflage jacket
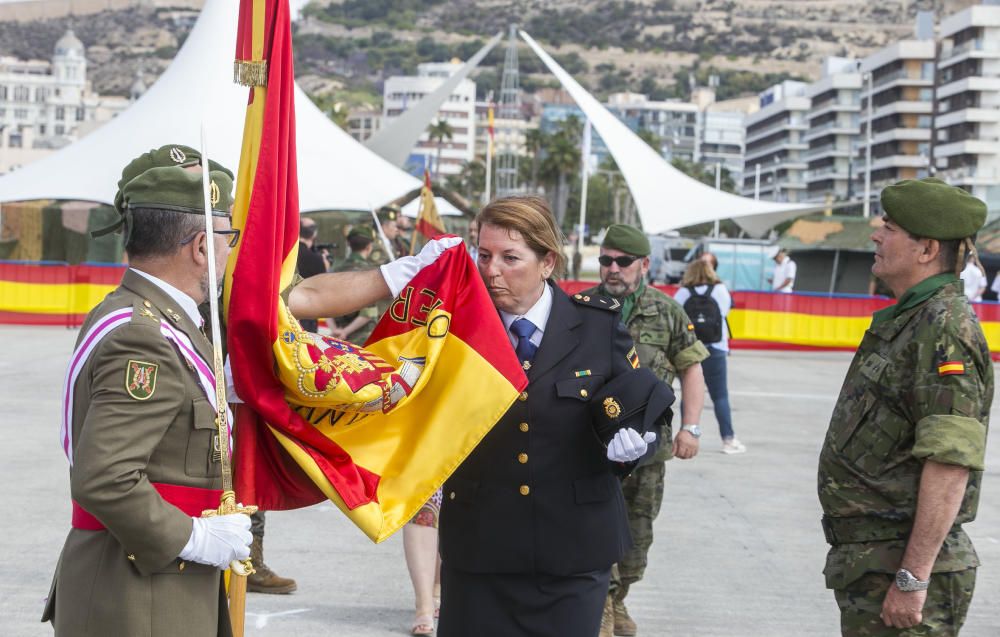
354	263
919	387
665	342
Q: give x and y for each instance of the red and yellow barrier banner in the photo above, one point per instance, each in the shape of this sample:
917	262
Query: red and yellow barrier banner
33	293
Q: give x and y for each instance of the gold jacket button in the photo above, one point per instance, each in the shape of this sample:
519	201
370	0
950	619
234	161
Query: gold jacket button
522	458
524	490
131	557
523	427
523	397
180	567
583	392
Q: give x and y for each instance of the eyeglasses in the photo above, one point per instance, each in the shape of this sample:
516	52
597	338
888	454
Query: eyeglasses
623	261
234	237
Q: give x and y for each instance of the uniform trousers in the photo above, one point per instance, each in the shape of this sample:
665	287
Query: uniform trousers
947	605
643	491
521	604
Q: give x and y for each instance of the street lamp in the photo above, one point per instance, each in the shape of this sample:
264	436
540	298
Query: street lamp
775	188
867	77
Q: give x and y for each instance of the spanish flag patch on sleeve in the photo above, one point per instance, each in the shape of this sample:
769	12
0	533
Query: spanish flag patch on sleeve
948	368
633	358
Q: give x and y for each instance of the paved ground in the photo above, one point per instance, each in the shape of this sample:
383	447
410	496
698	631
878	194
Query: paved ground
739	550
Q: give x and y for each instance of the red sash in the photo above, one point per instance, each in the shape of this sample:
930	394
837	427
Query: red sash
190	500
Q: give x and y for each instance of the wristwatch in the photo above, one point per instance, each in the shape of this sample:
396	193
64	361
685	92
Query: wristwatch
908	582
694	430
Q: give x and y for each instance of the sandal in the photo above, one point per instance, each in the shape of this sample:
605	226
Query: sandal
423	625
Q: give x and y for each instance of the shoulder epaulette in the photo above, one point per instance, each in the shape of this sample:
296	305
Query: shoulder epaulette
599	301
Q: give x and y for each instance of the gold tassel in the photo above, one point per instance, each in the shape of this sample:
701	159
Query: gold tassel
250	72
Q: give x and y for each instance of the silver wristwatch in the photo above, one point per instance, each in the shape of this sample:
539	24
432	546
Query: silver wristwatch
694	430
908	582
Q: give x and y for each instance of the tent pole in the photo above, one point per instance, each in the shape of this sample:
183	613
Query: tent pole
836	265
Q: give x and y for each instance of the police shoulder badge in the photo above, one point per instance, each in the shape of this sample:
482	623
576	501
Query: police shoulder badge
612	408
140	379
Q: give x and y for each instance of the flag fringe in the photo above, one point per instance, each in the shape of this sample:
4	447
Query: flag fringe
250	72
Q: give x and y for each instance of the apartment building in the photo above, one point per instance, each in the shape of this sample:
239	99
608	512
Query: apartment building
834	127
967	117
775	144
675	124
364	122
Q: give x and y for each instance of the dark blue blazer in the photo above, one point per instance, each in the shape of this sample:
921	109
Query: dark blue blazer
538	495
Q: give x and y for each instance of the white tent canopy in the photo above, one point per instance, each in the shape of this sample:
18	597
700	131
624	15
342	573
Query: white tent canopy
665	197
335	172
444	208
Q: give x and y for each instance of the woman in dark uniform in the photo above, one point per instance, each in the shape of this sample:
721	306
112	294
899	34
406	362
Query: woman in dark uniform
534	518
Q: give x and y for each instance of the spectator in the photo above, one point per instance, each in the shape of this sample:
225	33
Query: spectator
310	263
356	327
700	280
474	240
783	279
973	280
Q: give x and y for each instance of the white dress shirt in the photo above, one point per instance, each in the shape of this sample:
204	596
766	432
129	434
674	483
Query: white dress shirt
784	270
974	281
722	298
185	302
538	315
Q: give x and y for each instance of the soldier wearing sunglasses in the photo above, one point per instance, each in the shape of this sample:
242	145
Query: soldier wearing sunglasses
666	343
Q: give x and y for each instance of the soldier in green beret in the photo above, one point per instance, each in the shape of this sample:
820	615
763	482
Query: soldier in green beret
665	343
356	327
139	430
902	461
388	218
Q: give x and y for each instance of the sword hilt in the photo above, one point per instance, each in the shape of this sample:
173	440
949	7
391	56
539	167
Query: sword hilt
227	506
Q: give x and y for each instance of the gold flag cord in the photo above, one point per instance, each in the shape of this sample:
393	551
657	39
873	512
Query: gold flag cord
250	72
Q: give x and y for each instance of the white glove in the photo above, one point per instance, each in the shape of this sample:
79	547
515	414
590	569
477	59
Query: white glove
401	271
628	445
219	540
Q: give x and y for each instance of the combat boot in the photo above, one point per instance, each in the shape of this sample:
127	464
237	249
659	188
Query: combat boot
264	580
624	625
608	619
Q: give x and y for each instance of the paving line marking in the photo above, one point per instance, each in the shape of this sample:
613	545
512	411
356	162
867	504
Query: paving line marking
767	394
263	617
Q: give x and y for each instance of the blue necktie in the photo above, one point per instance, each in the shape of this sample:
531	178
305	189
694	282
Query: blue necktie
522	328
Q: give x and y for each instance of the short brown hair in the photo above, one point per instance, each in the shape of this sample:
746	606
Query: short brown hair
699	272
530	217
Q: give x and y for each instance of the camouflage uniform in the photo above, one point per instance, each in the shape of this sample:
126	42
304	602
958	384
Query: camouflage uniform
900	405
354	263
666	344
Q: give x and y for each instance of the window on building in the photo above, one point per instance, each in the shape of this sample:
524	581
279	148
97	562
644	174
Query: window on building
60	129
21	93
3	92
14	141
20	113
3	113
79	113
60	113
41	94
41	129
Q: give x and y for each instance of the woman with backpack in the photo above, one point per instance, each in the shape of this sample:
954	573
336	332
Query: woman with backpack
707	303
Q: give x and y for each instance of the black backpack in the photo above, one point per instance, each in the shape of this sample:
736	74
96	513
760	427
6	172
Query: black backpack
705	314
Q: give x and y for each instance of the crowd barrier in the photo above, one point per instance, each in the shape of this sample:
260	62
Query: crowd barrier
53	293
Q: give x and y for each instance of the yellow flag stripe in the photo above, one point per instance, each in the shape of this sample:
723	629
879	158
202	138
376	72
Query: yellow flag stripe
51	298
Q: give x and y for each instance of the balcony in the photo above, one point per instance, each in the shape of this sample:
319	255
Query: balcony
901	134
922	79
836	127
831	172
839	150
783	144
797	123
978	45
969	176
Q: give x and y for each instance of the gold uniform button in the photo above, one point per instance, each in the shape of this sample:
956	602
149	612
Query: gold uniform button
451	496
147	304
523	397
180	567
583	392
522	458
131	557
523	427
524	490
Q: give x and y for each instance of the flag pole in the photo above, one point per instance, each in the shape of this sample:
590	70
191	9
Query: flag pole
239	570
584	165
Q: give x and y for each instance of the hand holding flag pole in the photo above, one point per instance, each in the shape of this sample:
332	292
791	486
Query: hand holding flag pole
239	570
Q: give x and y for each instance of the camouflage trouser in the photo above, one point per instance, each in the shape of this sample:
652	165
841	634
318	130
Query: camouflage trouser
643	491
944	613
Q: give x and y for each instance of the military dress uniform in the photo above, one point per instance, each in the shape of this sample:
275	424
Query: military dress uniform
144	460
666	344
535	515
919	388
356	262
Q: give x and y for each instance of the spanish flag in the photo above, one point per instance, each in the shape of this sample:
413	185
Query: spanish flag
429	221
375	430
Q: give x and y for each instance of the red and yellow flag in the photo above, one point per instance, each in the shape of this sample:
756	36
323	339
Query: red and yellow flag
429	222
376	431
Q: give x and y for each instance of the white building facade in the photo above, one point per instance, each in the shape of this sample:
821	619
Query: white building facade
47	105
834	128
459	111
776	145
967	118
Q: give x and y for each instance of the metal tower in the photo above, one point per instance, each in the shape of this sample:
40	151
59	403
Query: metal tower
509	112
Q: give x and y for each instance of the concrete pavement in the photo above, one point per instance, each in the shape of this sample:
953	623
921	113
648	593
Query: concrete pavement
738	550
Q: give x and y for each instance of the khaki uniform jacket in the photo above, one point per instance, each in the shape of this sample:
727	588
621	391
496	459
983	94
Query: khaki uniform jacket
665	342
127	580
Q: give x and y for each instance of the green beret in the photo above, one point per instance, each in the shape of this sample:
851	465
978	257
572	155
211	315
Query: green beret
362	231
390	212
169	155
174	188
931	208
627	239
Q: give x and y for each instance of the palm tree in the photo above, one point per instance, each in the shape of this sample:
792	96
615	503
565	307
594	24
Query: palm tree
438	132
562	158
534	143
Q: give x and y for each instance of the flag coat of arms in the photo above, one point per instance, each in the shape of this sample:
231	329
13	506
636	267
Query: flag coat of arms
374	430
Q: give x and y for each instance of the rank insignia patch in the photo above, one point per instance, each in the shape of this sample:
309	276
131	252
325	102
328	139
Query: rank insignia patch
581	373
948	368
633	358
140	379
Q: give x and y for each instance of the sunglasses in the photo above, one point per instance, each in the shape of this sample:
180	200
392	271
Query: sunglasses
234	237
622	261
